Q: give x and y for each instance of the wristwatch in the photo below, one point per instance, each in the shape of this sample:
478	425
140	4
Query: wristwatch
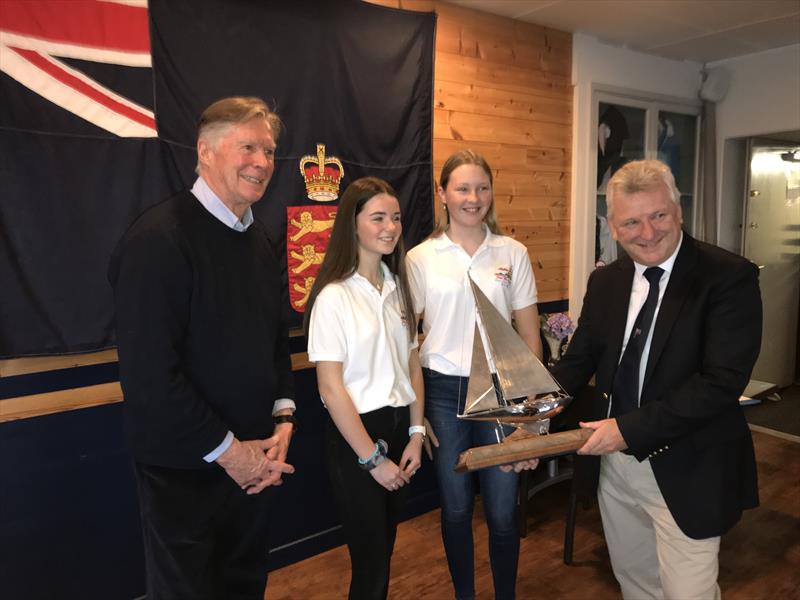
417	429
286	419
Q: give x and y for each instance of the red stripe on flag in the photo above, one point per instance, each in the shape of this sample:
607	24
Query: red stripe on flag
80	86
91	23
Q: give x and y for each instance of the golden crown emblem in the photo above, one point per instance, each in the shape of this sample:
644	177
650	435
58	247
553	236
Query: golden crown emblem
322	175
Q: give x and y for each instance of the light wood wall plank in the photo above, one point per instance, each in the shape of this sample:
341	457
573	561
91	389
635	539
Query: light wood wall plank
527	183
510	208
23	366
516	157
35	405
468	70
490	24
536	232
501	46
479	100
458	125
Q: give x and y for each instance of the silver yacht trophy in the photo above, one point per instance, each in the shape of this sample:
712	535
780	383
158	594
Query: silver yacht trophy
521	393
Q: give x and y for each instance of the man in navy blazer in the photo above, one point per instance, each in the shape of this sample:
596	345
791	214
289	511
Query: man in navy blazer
675	467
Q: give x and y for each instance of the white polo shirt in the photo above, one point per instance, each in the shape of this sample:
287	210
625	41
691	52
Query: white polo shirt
438	270
366	331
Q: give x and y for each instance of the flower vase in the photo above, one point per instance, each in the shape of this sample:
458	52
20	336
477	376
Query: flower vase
554	344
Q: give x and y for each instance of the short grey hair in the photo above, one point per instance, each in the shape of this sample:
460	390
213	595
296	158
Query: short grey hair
641	176
226	112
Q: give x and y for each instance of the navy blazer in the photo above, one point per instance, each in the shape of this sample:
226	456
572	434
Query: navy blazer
706	339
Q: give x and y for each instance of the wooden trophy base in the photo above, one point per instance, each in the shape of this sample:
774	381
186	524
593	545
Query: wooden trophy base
519	447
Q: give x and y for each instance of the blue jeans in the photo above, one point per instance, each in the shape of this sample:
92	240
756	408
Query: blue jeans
457	491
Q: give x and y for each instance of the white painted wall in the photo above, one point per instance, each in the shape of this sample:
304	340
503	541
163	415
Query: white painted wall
599	65
763	98
764	94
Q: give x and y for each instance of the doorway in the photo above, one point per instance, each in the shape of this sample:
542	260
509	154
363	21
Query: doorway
771	239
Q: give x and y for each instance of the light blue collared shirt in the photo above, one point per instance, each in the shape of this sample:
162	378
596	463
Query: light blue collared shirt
216	207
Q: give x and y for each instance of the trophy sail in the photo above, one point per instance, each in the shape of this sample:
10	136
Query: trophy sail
525	389
481	396
523	394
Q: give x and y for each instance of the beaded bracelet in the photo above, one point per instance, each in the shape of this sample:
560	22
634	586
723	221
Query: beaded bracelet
377	457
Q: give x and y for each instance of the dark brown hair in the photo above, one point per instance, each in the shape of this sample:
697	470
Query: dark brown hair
465	157
341	258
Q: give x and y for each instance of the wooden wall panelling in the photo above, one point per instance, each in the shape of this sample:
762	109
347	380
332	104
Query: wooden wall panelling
457	125
503	88
519	44
34	405
38	364
476	99
465	69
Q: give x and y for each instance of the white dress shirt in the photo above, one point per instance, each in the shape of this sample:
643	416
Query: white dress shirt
639	292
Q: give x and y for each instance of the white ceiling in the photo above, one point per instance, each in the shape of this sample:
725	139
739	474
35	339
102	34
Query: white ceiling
698	30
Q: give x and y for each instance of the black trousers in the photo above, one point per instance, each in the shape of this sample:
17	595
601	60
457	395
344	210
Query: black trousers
369	513
204	538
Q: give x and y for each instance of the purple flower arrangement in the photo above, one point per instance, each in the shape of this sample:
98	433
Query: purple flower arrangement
557	325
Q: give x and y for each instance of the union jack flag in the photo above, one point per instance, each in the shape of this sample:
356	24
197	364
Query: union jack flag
81	159
37	35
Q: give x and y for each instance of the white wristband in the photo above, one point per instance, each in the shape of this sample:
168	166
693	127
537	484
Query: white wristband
417	429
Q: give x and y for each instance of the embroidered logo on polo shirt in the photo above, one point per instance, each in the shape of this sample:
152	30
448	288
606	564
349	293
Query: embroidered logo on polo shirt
503	275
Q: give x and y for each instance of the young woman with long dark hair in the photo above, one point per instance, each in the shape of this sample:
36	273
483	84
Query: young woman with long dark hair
362	336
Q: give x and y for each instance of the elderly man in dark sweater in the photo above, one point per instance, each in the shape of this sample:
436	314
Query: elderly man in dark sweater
205	366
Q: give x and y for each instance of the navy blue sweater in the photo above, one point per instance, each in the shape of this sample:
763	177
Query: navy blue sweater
202	347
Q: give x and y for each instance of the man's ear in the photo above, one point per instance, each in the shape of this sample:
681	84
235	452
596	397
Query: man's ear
203	151
612	230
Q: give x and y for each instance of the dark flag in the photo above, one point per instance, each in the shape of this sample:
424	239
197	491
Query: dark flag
81	160
352	82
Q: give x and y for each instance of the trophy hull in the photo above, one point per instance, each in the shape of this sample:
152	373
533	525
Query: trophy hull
525	410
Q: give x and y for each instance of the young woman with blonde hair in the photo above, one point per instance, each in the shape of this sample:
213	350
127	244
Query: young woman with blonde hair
468	244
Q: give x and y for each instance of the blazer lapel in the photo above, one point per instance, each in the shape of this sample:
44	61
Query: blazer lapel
619	297
678	287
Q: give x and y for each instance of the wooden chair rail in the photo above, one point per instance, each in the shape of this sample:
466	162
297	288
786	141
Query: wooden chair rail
39	364
34	405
